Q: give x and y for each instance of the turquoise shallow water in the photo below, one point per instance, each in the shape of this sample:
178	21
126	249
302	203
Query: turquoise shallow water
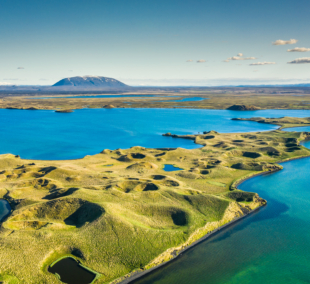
270	246
48	135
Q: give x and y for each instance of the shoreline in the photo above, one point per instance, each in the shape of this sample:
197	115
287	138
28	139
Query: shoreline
140	274
157	107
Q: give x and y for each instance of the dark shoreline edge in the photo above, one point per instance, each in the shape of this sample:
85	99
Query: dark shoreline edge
140	274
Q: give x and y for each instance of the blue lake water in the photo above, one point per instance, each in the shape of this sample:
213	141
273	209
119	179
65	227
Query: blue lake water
298	129
192	99
94	96
171	168
44	134
5	209
270	246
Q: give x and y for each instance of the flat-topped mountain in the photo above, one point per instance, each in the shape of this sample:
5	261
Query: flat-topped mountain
90	82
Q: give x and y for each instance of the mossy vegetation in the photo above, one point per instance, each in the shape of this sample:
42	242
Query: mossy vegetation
131	215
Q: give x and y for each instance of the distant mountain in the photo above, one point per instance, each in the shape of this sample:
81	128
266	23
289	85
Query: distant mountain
90	82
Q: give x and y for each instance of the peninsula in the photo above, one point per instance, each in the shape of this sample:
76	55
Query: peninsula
123	211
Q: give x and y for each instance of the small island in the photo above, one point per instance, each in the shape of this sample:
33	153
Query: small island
64	110
243	107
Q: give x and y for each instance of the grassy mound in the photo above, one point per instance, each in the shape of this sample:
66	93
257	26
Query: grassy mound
132	185
252	155
70	211
131	157
241	196
143	166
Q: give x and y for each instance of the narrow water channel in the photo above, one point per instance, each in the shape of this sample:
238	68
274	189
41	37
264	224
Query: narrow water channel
5	209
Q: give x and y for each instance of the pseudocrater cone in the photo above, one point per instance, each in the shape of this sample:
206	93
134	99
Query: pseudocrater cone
131	157
133	185
142	166
68	211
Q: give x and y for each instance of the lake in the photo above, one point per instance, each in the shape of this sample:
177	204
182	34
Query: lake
192	99
95	97
44	134
270	246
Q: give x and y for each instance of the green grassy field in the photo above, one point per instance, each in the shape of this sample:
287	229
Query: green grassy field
131	215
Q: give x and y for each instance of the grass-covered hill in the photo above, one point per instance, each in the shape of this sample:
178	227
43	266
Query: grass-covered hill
119	211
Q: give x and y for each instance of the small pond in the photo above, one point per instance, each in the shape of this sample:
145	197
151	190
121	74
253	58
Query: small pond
192	99
5	209
71	272
171	168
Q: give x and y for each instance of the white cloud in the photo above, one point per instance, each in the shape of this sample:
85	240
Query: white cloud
262	63
189	60
5	84
300	60
241	58
201	61
20	68
298	49
284	42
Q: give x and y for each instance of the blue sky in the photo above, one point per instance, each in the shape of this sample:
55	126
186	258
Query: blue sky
144	42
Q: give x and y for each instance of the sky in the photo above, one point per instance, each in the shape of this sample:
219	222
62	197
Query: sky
155	42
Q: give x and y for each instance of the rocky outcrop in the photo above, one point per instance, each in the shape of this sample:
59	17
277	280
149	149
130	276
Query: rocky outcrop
243	107
64	110
108	106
